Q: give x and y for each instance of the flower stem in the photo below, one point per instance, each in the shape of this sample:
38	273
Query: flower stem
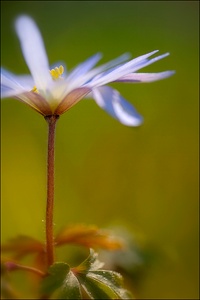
51	120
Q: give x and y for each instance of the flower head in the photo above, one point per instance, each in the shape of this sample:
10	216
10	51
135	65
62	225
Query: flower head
54	91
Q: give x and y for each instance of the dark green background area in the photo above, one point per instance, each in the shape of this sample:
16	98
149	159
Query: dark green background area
142	179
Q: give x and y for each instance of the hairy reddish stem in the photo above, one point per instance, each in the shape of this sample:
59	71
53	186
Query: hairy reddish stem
51	120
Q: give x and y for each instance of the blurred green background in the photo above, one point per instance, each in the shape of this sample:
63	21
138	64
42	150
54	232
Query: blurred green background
144	179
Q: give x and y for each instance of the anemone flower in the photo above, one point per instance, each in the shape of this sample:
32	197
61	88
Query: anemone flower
54	91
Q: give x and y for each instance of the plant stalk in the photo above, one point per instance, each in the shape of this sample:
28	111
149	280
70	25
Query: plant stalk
51	120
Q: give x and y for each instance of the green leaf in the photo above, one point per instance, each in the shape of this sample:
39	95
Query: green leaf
95	289
104	285
71	288
91	263
65	283
100	284
62	282
113	280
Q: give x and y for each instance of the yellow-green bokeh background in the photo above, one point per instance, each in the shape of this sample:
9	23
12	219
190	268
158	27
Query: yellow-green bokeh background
143	179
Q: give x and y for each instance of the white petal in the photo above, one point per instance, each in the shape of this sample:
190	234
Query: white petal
122	70
9	84
58	91
112	102
34	51
26	81
145	77
19	87
85	78
106	66
148	62
84	67
7	93
8	79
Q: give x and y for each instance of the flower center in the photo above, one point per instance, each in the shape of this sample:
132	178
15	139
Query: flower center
55	74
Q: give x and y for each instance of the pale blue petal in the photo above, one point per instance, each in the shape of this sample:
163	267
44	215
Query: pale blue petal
7	93
34	51
111	65
26	81
113	103
145	77
121	70
84	67
8	79
9	85
126	69
85	79
147	62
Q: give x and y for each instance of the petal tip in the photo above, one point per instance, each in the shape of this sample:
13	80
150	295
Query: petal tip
21	21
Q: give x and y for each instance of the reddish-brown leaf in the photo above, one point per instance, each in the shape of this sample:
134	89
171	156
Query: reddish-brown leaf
88	236
23	245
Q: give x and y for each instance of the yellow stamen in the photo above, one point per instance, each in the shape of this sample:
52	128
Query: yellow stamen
57	72
35	90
